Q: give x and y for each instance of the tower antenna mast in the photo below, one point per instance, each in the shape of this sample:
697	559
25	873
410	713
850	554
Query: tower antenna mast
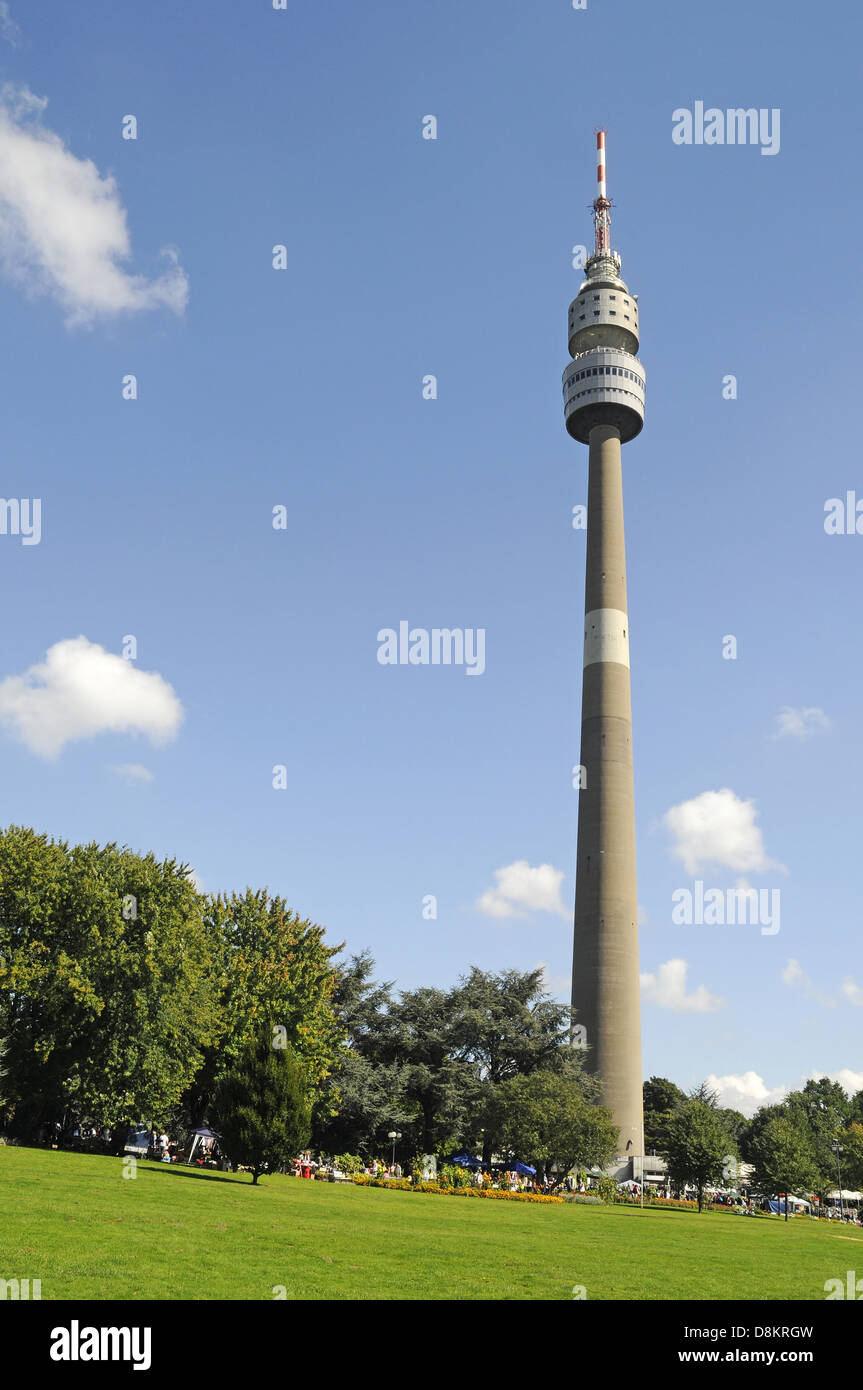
601	203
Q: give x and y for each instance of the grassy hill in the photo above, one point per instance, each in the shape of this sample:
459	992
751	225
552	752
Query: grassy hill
74	1222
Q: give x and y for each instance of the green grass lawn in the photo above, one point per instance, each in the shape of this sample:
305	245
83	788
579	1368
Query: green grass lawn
74	1222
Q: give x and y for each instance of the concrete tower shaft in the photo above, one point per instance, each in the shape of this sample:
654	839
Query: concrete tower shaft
605	985
603	388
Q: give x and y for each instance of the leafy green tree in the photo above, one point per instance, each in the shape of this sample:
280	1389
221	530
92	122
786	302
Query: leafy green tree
107	981
505	1025
851	1141
360	1002
364	1097
366	1100
783	1156
661	1099
820	1111
273	965
823	1096
420	1035
698	1145
261	1108
508	1025
544	1118
706	1095
735	1125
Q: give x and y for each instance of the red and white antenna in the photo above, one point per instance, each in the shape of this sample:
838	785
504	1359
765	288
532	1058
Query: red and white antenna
601	204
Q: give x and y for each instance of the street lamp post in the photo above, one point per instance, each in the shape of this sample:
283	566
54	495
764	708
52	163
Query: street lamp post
837	1149
395	1135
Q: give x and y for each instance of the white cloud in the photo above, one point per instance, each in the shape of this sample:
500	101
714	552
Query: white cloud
717	828
794	975
81	690
8	28
748	1092
132	772
63	228
852	991
800	723
667	988
521	889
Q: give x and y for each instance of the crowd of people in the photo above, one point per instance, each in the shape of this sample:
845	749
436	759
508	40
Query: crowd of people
307	1166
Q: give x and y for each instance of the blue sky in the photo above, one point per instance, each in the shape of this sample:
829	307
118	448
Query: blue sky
303	388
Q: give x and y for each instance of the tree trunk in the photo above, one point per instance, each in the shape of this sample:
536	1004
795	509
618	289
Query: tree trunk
428	1125
701	1199
119	1134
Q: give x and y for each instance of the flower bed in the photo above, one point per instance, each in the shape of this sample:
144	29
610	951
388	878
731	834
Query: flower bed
498	1194
674	1203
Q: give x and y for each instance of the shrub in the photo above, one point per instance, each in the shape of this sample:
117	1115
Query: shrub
348	1163
606	1189
453	1175
498	1194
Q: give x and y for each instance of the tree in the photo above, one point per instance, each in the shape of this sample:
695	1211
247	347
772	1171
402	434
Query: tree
851	1141
820	1111
735	1124
507	1025
706	1094
366	1100
360	1002
273	965
544	1117
107	981
419	1033
363	1098
783	1156
661	1099
697	1146
261	1108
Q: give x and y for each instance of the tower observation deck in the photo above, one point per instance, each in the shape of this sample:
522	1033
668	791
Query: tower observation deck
603	393
604	382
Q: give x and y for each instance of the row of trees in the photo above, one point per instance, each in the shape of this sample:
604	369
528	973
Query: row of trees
485	1065
127	996
800	1145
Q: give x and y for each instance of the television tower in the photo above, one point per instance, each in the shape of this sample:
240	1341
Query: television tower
603	393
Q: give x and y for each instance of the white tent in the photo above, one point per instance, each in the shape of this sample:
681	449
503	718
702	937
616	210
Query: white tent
199	1136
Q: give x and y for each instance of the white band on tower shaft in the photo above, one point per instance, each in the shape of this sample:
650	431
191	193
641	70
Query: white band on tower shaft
606	636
